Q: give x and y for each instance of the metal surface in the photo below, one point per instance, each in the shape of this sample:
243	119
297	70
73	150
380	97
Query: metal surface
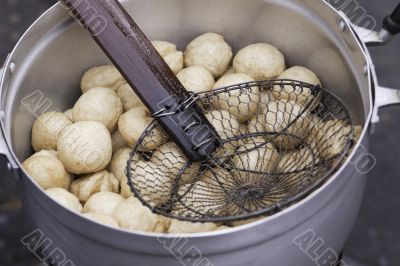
369	37
386	96
53	45
7	159
385	36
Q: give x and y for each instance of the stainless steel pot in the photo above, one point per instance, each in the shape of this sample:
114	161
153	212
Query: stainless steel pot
44	70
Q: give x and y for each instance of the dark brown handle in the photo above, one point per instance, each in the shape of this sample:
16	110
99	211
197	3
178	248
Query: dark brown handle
145	70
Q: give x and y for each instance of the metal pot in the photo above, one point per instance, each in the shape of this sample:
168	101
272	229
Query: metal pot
43	73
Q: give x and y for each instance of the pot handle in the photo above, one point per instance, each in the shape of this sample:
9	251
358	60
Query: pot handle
383	96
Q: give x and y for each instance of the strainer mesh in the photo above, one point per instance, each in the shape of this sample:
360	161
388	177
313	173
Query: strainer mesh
281	139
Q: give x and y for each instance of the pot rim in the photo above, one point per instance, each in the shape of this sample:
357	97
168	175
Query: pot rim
18	165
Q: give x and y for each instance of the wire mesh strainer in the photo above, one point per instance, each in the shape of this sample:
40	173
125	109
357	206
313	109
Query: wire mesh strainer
234	153
292	136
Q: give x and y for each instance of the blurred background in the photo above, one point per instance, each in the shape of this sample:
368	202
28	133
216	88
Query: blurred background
375	240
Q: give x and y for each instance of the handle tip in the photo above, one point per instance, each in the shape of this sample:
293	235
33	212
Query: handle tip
391	25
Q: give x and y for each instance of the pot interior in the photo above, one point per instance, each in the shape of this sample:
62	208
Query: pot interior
54	54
